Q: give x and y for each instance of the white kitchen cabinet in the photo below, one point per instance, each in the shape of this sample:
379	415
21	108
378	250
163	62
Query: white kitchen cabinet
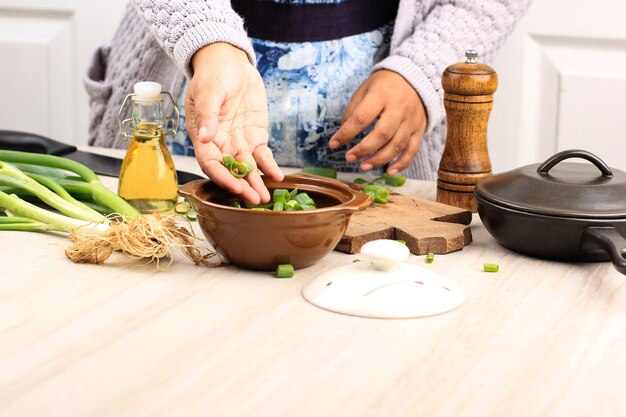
45	47
562	84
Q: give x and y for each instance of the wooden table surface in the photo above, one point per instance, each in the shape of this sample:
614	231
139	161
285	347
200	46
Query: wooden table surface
538	338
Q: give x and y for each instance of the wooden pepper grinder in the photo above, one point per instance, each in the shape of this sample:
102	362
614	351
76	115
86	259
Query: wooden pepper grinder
468	99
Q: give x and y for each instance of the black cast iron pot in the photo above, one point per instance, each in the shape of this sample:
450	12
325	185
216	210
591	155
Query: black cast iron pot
569	211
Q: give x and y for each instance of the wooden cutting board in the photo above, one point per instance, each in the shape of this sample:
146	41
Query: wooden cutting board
425	226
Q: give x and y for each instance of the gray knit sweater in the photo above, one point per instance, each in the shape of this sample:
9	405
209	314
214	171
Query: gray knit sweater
157	39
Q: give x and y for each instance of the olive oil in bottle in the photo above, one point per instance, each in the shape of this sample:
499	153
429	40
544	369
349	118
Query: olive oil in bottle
148	177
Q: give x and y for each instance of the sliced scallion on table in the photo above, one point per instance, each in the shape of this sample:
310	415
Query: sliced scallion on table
284	271
491	267
430	258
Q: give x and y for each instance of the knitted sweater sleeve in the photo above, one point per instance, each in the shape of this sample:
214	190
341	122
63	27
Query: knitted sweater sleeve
442	31
182	27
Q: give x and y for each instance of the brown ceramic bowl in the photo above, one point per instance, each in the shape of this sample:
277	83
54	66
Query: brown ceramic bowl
261	240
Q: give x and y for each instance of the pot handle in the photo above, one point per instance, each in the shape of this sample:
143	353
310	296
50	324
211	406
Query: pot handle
574	153
608	239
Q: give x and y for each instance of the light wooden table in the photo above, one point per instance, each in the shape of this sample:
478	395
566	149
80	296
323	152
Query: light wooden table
538	338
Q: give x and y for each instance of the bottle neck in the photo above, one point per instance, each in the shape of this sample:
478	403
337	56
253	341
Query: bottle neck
147	113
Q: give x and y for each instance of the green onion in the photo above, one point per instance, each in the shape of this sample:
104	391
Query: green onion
284	271
378	193
292	205
98	191
401	241
53	221
66	204
304	200
263	205
491	267
54	183
395	180
430	258
379	181
282	200
237	169
228	161
281	195
360	181
182	208
324	172
21	223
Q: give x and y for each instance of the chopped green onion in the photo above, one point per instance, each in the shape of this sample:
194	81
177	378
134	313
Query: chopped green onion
304	200
491	267
430	258
395	180
292	205
182	207
324	172
228	161
262	205
378	193
360	181
293	193
278	206
401	241
379	181
234	203
284	271
281	195
356	260
191	216
237	168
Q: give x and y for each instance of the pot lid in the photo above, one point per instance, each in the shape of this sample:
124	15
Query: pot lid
385	287
563	189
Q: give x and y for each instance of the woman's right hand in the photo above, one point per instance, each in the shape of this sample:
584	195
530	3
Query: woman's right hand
226	109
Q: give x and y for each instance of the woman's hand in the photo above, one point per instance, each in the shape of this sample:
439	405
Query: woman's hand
397	134
226	108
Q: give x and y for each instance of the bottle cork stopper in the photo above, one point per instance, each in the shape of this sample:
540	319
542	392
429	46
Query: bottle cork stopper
147	91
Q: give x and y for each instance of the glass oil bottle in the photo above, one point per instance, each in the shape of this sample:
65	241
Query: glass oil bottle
148	177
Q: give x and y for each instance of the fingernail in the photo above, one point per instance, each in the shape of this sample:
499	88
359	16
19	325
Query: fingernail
351	157
392	171
367	167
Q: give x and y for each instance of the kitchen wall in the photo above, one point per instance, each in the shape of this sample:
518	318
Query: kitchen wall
45	46
562	75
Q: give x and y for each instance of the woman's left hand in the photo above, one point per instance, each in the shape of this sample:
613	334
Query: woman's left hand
397	134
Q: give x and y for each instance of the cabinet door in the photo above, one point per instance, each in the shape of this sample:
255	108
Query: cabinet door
562	84
45	46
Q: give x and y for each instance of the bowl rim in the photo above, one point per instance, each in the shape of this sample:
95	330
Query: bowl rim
358	200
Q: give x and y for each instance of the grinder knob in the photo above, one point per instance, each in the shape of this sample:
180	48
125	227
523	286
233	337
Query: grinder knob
468	99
